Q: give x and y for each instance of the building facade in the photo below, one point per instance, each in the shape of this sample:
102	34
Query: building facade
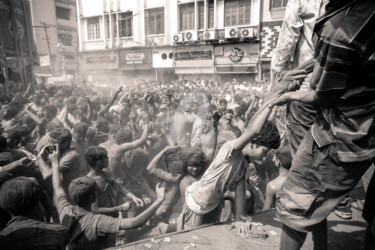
273	12
166	39
56	37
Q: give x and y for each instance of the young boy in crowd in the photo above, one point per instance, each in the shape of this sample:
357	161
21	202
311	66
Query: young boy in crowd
203	198
111	194
86	229
285	158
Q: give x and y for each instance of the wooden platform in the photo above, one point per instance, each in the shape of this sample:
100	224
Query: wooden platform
342	234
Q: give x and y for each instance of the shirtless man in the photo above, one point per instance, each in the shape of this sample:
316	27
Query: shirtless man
284	156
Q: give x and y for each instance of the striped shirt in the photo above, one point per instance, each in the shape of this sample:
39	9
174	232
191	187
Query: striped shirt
345	61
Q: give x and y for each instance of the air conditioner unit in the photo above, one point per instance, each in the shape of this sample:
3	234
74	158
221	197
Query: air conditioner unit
191	36
209	35
247	32
220	34
231	33
178	38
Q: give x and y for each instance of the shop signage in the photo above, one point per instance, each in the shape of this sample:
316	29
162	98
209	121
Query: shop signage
140	58
193	55
236	54
100	59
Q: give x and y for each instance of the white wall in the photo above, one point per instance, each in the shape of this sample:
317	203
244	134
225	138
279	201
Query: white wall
44	11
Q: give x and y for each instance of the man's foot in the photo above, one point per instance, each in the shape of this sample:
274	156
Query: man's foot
343	212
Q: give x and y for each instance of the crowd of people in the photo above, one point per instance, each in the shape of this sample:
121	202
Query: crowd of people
83	169
81	166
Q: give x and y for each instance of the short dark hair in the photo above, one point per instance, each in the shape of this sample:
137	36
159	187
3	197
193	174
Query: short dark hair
102	125
82	189
284	156
197	158
19	195
61	135
124	135
269	136
93	154
80	128
51	109
223	101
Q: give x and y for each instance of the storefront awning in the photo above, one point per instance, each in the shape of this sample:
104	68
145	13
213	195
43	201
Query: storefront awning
236	69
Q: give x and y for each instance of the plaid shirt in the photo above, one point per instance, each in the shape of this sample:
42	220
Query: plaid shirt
345	61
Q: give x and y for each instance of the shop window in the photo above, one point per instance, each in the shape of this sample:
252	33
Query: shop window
65	38
126	24
187	16
154	21
237	12
277	4
93	28
62	13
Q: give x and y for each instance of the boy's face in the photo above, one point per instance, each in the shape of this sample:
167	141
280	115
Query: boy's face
194	170
255	152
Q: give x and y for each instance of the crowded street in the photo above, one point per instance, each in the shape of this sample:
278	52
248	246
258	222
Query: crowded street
183	124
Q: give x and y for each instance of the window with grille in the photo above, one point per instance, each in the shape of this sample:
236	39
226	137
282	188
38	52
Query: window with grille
210	15
237	12
187	16
154	21
126	24
65	38
276	4
62	13
93	28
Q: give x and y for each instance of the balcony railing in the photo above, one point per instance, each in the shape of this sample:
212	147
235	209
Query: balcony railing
278	13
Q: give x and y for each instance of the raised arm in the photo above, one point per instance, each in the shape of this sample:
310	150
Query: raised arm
134	144
56	181
257	121
89	115
141	219
34	117
109	103
153	170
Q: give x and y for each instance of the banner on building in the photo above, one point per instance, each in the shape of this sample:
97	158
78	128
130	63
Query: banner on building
194	59
7	31
136	59
99	60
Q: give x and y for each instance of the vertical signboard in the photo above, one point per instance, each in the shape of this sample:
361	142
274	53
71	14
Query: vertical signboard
7	30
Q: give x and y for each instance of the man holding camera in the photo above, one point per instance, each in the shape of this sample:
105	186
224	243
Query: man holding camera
71	162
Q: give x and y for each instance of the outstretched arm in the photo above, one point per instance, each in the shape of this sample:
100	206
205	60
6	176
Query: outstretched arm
14	165
134	144
260	117
141	219
109	104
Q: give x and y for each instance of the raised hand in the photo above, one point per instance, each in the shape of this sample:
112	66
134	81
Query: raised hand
172	149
